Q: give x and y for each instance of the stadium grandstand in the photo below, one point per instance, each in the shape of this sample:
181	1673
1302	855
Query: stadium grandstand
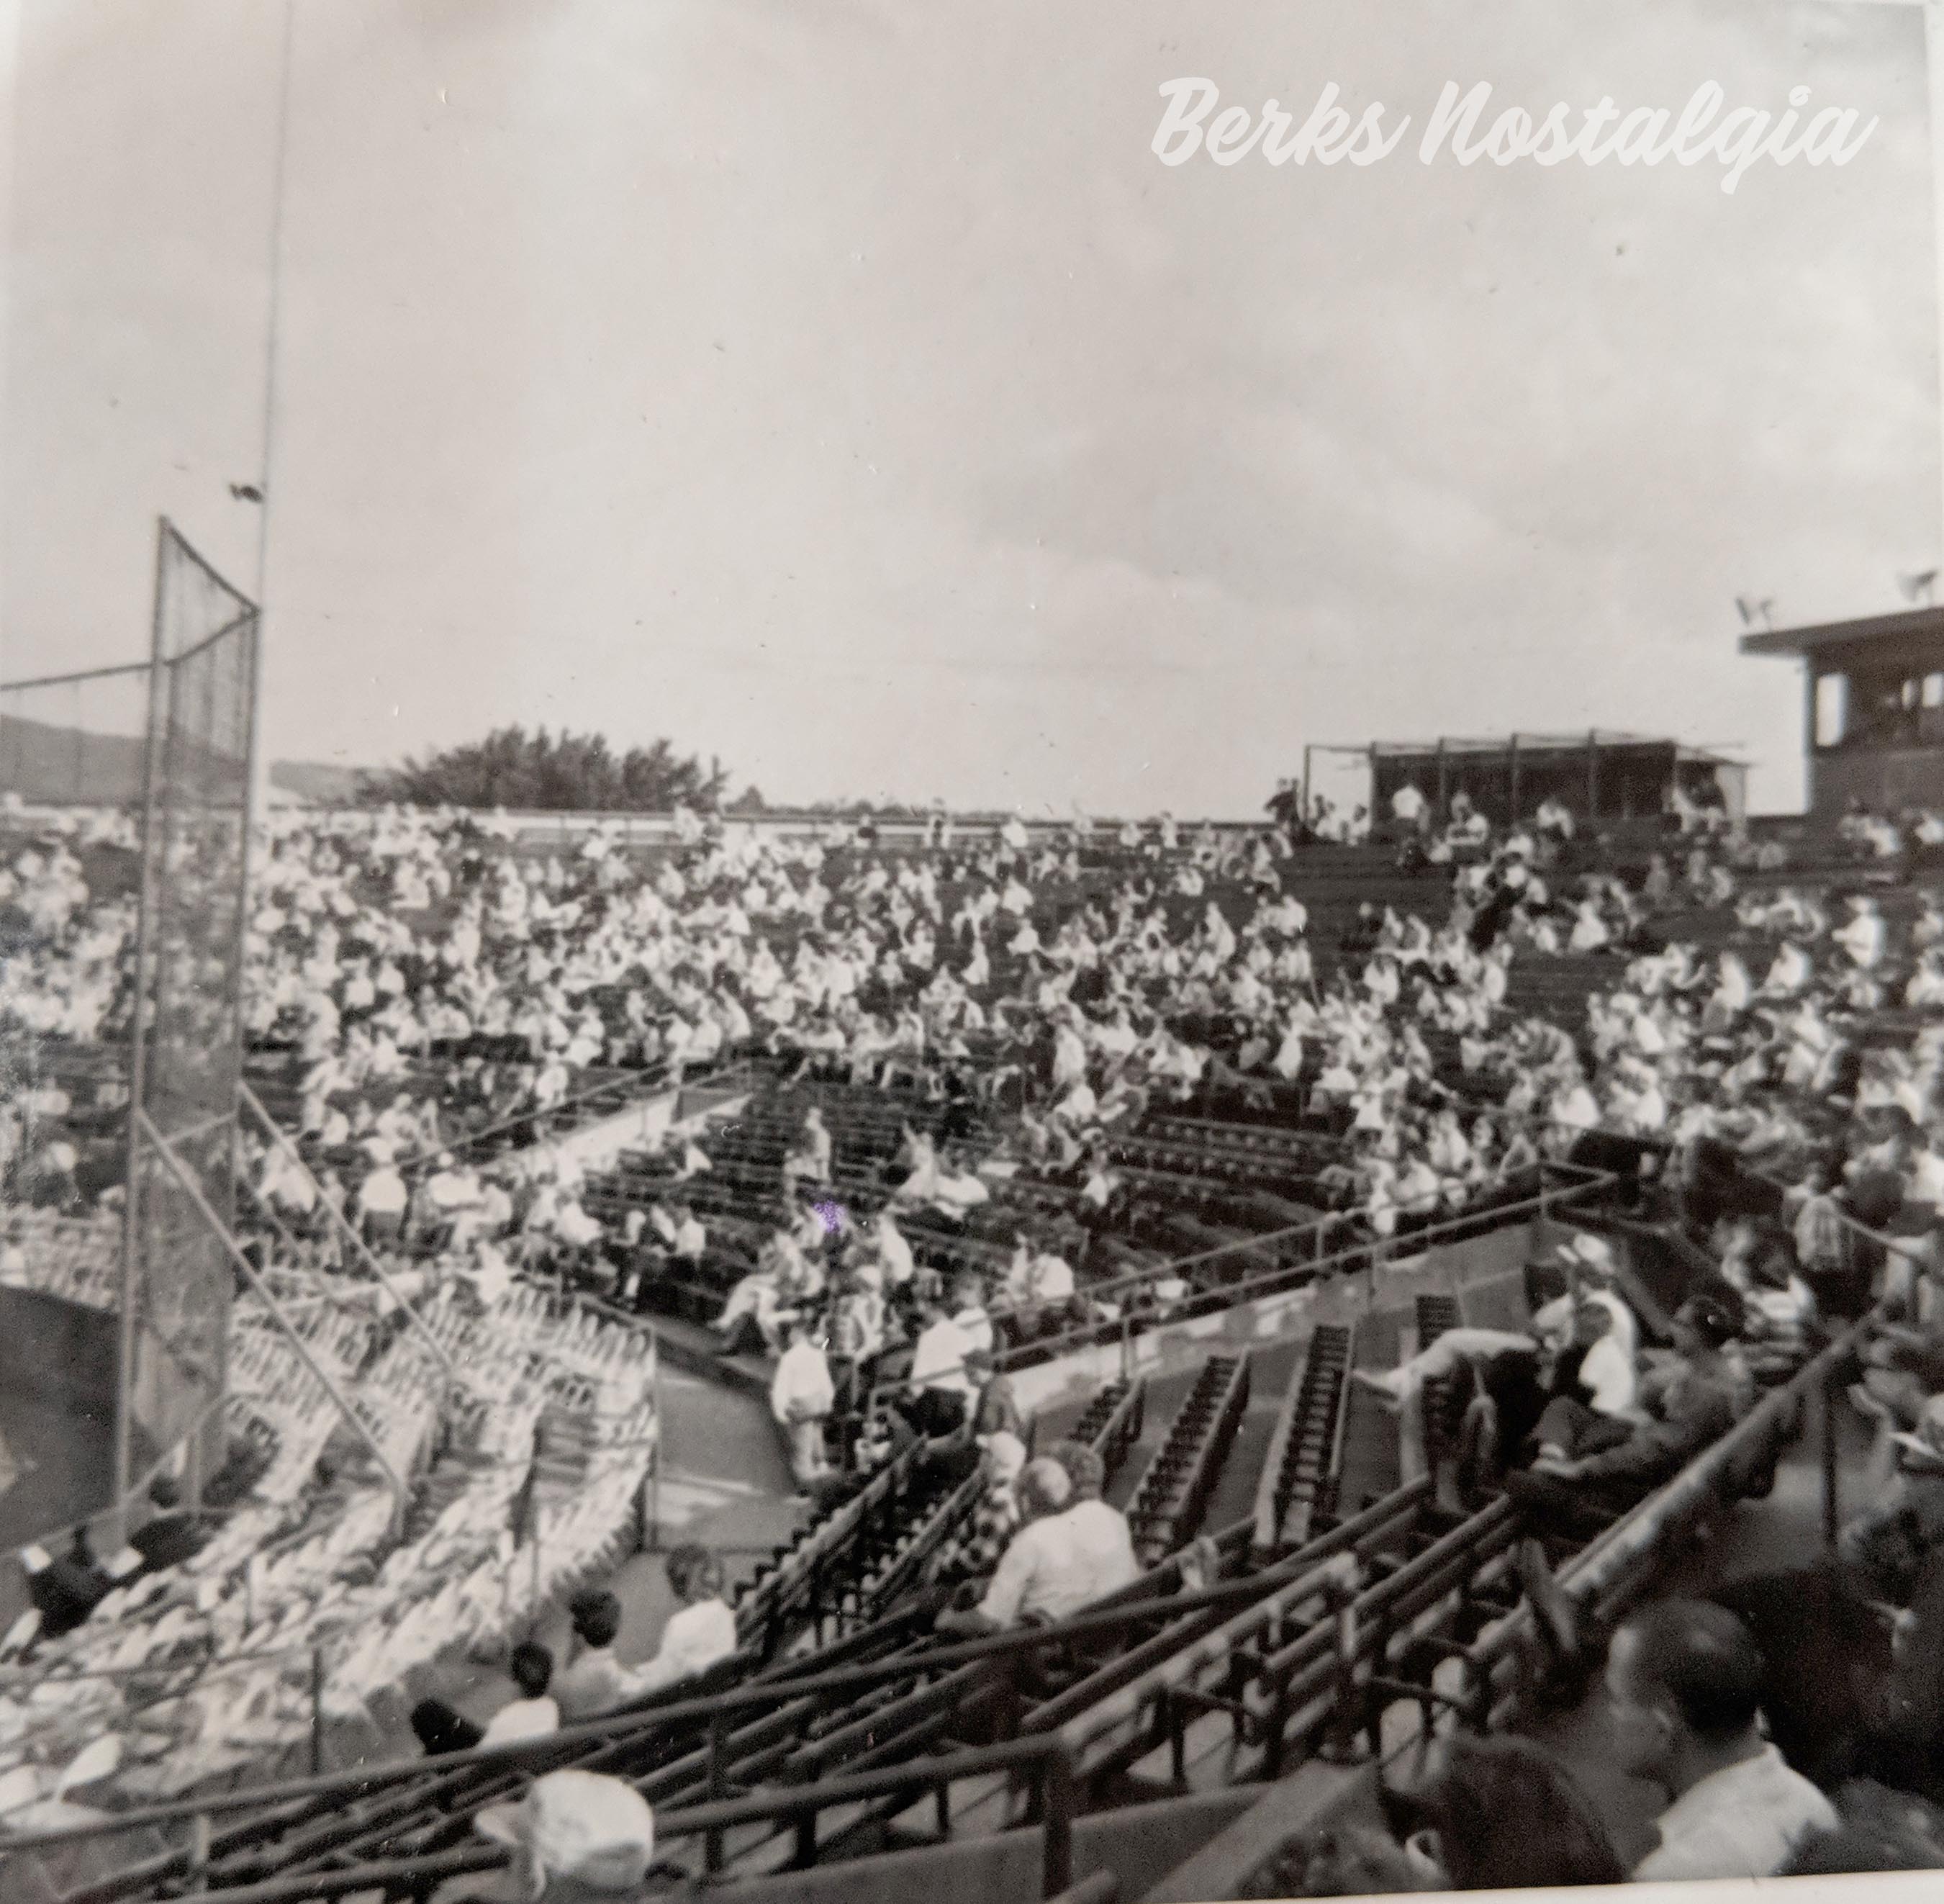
1107	1360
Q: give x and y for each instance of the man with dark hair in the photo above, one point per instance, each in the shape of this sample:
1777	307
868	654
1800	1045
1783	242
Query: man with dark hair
173	1536
533	1715
1685	1687
595	1681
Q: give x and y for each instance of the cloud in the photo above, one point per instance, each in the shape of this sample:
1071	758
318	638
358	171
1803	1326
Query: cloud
849	393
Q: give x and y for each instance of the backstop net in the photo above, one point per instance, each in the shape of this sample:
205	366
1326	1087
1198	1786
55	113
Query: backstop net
186	1046
141	775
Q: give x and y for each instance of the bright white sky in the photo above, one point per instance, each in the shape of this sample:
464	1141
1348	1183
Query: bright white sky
841	387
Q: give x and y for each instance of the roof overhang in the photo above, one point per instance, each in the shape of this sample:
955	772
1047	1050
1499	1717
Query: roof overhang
1917	628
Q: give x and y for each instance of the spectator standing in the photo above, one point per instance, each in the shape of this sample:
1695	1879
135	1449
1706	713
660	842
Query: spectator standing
801	1395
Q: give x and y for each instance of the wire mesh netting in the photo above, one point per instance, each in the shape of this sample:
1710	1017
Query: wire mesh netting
74	740
194	853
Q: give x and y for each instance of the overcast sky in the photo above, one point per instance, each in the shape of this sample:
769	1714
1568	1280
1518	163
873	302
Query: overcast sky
843	387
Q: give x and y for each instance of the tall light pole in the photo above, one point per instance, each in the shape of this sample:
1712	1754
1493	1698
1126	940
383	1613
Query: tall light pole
273	317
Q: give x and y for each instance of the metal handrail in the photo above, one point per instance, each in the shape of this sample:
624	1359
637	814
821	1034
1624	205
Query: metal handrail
1044	1757
1135	1604
645	1079
1356	1257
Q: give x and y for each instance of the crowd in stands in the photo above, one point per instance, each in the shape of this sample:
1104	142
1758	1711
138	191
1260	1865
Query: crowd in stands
1028	1009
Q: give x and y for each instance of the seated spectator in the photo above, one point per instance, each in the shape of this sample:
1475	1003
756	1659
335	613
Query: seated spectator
1684	1685
173	1536
701	1632
974	1556
1491	1814
1889	1542
576	1836
1591	1467
442	1730
594	1681
533	1714
1779	1324
1499	1814
67	1589
810	1160
1073	1548
938	1397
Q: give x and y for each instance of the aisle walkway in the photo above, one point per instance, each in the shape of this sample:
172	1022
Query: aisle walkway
724	1484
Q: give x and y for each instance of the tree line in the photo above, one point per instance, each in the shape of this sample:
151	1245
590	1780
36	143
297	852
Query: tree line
554	773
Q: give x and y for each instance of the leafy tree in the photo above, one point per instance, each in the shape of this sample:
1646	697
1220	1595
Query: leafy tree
542	772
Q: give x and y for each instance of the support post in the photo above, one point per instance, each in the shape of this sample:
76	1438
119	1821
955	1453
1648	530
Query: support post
1308	749
131	1206
1812	685
197	1871
1341	1745
1832	1505
1512	817
1057	1824
1592	774
316	1711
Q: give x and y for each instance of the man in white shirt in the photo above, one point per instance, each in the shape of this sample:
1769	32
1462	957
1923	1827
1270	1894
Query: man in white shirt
381	1199
1067	1556
1684	1686
941	1393
691	1238
1408	808
801	1394
701	1632
595	1681
533	1714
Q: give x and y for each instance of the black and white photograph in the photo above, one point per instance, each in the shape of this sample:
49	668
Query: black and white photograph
970	950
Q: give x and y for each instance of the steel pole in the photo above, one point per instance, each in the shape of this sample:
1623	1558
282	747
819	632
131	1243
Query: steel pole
131	1200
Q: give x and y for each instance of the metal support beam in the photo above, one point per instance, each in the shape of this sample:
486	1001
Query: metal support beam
349	1231
138	1039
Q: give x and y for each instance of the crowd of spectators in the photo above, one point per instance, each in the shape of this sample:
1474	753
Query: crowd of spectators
425	982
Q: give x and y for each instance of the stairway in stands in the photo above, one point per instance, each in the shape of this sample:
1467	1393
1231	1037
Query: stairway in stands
1299	1467
1368	1467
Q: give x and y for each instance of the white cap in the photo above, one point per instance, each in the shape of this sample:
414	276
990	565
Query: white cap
598	1831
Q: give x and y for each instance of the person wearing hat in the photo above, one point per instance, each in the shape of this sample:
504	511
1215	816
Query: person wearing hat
576	1837
1683	1404
1889	1542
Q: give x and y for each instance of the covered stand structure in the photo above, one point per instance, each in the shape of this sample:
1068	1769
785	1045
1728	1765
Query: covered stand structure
1873	708
1601	775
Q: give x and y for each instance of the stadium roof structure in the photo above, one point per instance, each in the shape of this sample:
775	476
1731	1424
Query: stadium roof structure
1906	625
1541	743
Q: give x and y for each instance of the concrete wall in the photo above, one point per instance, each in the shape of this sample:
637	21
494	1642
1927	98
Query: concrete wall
1140	1844
56	1417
